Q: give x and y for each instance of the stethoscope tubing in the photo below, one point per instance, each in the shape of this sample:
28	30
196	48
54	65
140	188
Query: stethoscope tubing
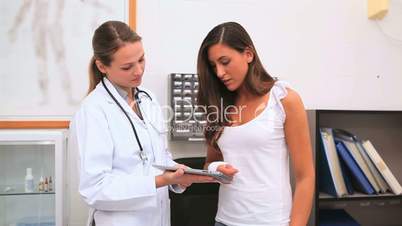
136	97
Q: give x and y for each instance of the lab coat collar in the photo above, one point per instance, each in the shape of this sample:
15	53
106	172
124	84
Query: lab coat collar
122	92
119	98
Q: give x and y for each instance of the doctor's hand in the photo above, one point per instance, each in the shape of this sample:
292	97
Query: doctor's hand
184	185
227	169
192	178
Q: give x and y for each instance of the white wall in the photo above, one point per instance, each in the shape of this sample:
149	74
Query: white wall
328	50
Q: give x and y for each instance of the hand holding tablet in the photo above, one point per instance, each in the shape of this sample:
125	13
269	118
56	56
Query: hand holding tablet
220	177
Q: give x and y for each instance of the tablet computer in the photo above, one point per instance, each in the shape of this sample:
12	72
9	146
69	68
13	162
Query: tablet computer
222	178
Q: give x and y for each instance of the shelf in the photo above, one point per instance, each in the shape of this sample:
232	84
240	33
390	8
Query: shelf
19	190
26	193
358	196
33	142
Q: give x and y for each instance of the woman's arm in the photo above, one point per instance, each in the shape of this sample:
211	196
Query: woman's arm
298	141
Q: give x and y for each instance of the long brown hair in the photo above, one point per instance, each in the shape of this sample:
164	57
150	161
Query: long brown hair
212	92
107	39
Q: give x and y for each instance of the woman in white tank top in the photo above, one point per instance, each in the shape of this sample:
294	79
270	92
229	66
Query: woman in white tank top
254	124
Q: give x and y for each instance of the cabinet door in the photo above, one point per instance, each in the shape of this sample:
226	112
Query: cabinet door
26	157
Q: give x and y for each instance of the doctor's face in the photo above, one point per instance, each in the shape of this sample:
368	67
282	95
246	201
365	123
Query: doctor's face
127	65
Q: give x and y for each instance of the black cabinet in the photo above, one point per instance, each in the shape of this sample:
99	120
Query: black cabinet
197	206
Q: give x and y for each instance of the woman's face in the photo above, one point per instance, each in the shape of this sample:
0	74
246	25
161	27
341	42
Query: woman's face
229	65
127	65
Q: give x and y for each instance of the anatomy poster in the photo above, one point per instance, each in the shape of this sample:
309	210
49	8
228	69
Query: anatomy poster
46	48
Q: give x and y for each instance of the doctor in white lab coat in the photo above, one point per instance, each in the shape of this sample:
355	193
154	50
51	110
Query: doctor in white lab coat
119	133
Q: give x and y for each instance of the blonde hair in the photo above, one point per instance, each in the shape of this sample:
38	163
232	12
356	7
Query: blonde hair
107	39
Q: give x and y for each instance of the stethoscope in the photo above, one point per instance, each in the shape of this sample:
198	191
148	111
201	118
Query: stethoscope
143	155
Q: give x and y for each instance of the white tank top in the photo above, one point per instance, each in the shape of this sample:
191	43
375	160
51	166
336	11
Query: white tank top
260	193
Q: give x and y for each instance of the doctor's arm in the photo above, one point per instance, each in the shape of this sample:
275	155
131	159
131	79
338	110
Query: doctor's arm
101	186
179	178
298	142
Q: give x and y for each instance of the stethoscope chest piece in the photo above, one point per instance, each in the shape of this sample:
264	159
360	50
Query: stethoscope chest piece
143	156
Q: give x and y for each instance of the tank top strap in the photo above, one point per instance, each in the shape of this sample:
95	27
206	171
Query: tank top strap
278	92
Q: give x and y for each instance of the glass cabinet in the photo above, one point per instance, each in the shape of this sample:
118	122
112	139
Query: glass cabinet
31	177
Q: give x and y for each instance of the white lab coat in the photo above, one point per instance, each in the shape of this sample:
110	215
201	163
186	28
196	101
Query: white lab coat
116	184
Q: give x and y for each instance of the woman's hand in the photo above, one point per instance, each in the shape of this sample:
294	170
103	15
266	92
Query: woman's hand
227	169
